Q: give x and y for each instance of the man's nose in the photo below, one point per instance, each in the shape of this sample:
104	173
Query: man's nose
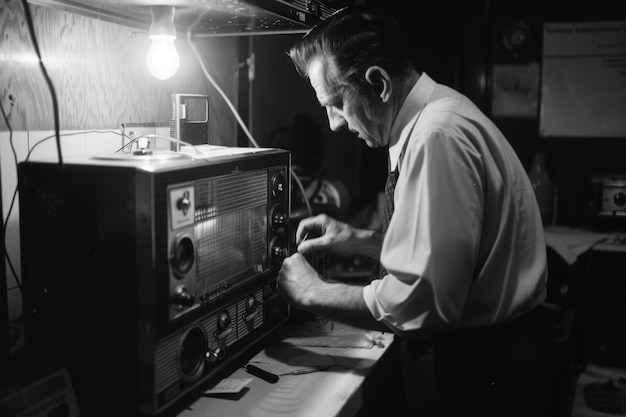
335	120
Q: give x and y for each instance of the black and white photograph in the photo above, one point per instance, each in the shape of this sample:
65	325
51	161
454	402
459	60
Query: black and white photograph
313	208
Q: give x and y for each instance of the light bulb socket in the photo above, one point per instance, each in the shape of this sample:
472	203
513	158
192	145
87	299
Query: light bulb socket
162	21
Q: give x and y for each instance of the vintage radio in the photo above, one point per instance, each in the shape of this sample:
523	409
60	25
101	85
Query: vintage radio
605	200
147	275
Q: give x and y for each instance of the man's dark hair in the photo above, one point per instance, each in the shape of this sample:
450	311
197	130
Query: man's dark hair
354	39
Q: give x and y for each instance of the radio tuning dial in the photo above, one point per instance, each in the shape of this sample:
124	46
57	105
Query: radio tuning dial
278	185
619	199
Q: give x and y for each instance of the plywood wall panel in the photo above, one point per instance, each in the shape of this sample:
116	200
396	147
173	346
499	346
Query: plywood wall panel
99	74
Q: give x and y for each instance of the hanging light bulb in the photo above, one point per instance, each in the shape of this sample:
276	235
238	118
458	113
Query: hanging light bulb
162	60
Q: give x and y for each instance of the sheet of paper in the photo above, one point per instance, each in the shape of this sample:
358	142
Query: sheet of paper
571	243
229	386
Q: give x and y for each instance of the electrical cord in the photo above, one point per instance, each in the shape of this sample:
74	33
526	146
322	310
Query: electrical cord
6	220
152	135
207	74
234	110
81	132
55	104
55	110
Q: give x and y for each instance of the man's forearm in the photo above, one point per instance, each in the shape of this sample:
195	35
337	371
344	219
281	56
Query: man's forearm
343	303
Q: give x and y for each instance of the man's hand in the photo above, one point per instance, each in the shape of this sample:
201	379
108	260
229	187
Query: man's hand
324	233
300	285
297	281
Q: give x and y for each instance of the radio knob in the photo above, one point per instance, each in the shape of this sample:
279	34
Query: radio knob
213	355
619	199
279	219
184	203
251	310
278	252
251	304
278	185
183	297
314	8
223	321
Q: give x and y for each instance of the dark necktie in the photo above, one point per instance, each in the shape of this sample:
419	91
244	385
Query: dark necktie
390	185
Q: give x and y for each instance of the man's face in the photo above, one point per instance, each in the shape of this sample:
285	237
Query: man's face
345	108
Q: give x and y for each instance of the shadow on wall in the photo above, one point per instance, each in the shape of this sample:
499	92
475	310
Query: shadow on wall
305	140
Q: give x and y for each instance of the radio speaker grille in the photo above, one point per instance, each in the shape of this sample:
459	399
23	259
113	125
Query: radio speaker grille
231	235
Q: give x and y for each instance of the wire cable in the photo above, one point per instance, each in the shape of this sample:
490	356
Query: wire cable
214	83
234	110
81	132
152	135
5	222
53	94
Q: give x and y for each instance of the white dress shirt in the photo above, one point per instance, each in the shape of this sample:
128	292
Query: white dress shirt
465	244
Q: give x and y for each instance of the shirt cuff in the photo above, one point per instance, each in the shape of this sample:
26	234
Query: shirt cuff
369	296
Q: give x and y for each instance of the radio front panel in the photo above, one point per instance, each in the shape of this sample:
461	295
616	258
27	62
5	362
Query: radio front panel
218	237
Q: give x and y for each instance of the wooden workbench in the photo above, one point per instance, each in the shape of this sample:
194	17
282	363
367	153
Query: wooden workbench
347	373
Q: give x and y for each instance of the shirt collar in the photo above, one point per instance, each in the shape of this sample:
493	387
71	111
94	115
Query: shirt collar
407	116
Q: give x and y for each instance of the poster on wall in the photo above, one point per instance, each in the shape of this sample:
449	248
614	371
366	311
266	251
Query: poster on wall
583	82
515	90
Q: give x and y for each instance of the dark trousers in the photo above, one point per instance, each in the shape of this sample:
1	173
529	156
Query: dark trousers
503	370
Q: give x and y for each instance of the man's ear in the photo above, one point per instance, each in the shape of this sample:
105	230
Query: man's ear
378	78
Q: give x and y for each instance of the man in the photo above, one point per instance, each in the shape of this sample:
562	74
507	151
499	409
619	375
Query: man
462	248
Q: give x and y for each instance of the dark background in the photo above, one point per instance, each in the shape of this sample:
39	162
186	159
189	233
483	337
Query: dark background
457	43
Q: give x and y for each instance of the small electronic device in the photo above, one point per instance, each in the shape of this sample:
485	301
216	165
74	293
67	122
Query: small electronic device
607	196
51	394
190	119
